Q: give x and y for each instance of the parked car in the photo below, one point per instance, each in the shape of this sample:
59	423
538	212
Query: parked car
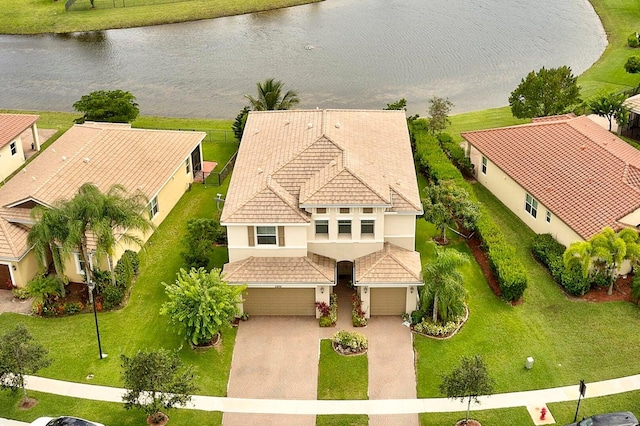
625	418
63	421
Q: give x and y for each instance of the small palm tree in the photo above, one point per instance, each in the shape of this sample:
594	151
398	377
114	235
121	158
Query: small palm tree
270	97
443	284
48	233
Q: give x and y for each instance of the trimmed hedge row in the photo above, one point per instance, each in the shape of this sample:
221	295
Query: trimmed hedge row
549	252
434	164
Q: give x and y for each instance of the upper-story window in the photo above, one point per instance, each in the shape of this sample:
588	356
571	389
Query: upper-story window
321	210
367	227
322	227
484	165
187	165
14	148
531	205
153	206
367	210
344	227
548	216
266	235
345	210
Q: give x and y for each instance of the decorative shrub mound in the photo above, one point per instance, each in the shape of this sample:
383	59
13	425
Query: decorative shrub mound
350	342
434	164
430	329
328	313
634	40
549	252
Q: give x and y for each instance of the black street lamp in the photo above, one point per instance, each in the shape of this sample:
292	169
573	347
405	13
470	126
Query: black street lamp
92	287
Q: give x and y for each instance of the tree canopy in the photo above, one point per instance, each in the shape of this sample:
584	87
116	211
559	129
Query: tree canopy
632	65
20	355
443	288
610	105
115	106
156	380
201	304
438	114
468	380
271	97
548	92
446	204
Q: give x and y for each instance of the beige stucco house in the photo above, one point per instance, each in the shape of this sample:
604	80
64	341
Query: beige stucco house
563	175
12	126
159	163
632	128
320	198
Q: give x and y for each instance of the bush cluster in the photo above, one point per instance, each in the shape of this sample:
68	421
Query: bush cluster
456	154
633	40
430	329
328	313
434	164
549	252
357	314
350	341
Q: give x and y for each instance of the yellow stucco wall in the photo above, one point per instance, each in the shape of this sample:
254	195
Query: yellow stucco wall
26	269
513	196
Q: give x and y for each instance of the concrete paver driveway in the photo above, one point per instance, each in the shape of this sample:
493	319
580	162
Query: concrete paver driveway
274	358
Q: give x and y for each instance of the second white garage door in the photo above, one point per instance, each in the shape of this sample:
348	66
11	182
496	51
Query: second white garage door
280	301
388	301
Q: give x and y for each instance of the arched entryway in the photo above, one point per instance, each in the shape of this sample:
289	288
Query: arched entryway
344	271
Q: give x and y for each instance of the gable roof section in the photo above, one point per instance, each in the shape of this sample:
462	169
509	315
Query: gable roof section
633	103
12	125
329	157
138	159
392	264
312	268
582	173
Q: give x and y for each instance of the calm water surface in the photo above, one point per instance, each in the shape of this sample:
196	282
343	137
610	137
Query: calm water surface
336	54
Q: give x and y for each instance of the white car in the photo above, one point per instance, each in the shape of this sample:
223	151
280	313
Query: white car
63	421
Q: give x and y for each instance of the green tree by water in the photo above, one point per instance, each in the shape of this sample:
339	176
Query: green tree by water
271	97
116	106
610	105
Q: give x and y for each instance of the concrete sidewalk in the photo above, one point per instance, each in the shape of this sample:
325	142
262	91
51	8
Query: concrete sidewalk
370	407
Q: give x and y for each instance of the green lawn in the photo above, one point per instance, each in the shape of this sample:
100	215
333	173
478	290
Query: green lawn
341	377
343	420
46	16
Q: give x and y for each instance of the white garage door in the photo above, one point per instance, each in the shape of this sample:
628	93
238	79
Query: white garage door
280	301
388	301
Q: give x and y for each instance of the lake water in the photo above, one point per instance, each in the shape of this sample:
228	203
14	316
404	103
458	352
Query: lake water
336	54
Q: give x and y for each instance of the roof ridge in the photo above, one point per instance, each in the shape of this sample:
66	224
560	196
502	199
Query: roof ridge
354	174
3	227
285	196
315	266
400	262
240	263
395	191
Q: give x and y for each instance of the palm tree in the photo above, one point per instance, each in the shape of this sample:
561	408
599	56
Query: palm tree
270	97
108	218
48	232
443	284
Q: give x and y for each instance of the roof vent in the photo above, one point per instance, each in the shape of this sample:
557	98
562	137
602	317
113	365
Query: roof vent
286	122
260	170
399	182
337	125
64	157
85	159
53	150
140	187
333	163
310	125
24	170
255	131
590	180
33	178
583	147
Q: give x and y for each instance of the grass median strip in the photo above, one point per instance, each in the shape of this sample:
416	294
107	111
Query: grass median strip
342	377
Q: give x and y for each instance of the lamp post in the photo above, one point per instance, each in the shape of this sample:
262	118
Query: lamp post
92	299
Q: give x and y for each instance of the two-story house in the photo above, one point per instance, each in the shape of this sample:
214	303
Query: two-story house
320	198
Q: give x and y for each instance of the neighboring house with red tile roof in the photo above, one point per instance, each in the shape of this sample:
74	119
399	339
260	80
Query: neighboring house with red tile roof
159	163
562	175
320	198
11	151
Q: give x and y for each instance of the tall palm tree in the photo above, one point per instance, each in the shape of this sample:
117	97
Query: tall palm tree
270	97
48	233
443	283
108	218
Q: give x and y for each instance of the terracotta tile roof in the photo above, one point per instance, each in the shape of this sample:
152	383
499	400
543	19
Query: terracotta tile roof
392	264
138	159
633	103
582	173
321	157
12	125
313	269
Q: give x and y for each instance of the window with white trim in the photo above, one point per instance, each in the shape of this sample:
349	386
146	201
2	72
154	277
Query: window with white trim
531	205
14	148
484	165
80	268
322	227
187	165
153	207
266	235
367	227
548	216
344	227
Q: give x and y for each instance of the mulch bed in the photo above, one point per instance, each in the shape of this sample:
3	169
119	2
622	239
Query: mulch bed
75	292
621	289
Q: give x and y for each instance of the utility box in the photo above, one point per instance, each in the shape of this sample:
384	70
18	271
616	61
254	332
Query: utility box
529	364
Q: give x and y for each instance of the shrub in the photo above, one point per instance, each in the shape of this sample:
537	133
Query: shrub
635	286
456	154
328	313
574	282
357	314
127	268
633	65
20	293
325	322
350	341
429	328
417	316
633	40
112	296
71	308
202	234
323	308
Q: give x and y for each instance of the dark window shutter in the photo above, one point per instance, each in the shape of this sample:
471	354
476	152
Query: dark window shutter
281	236
251	235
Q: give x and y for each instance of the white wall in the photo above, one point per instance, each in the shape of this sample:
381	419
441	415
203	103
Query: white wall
10	163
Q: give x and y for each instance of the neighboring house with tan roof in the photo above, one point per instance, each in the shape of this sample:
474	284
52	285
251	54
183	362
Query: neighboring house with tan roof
320	198
632	128
11	151
563	175
159	163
